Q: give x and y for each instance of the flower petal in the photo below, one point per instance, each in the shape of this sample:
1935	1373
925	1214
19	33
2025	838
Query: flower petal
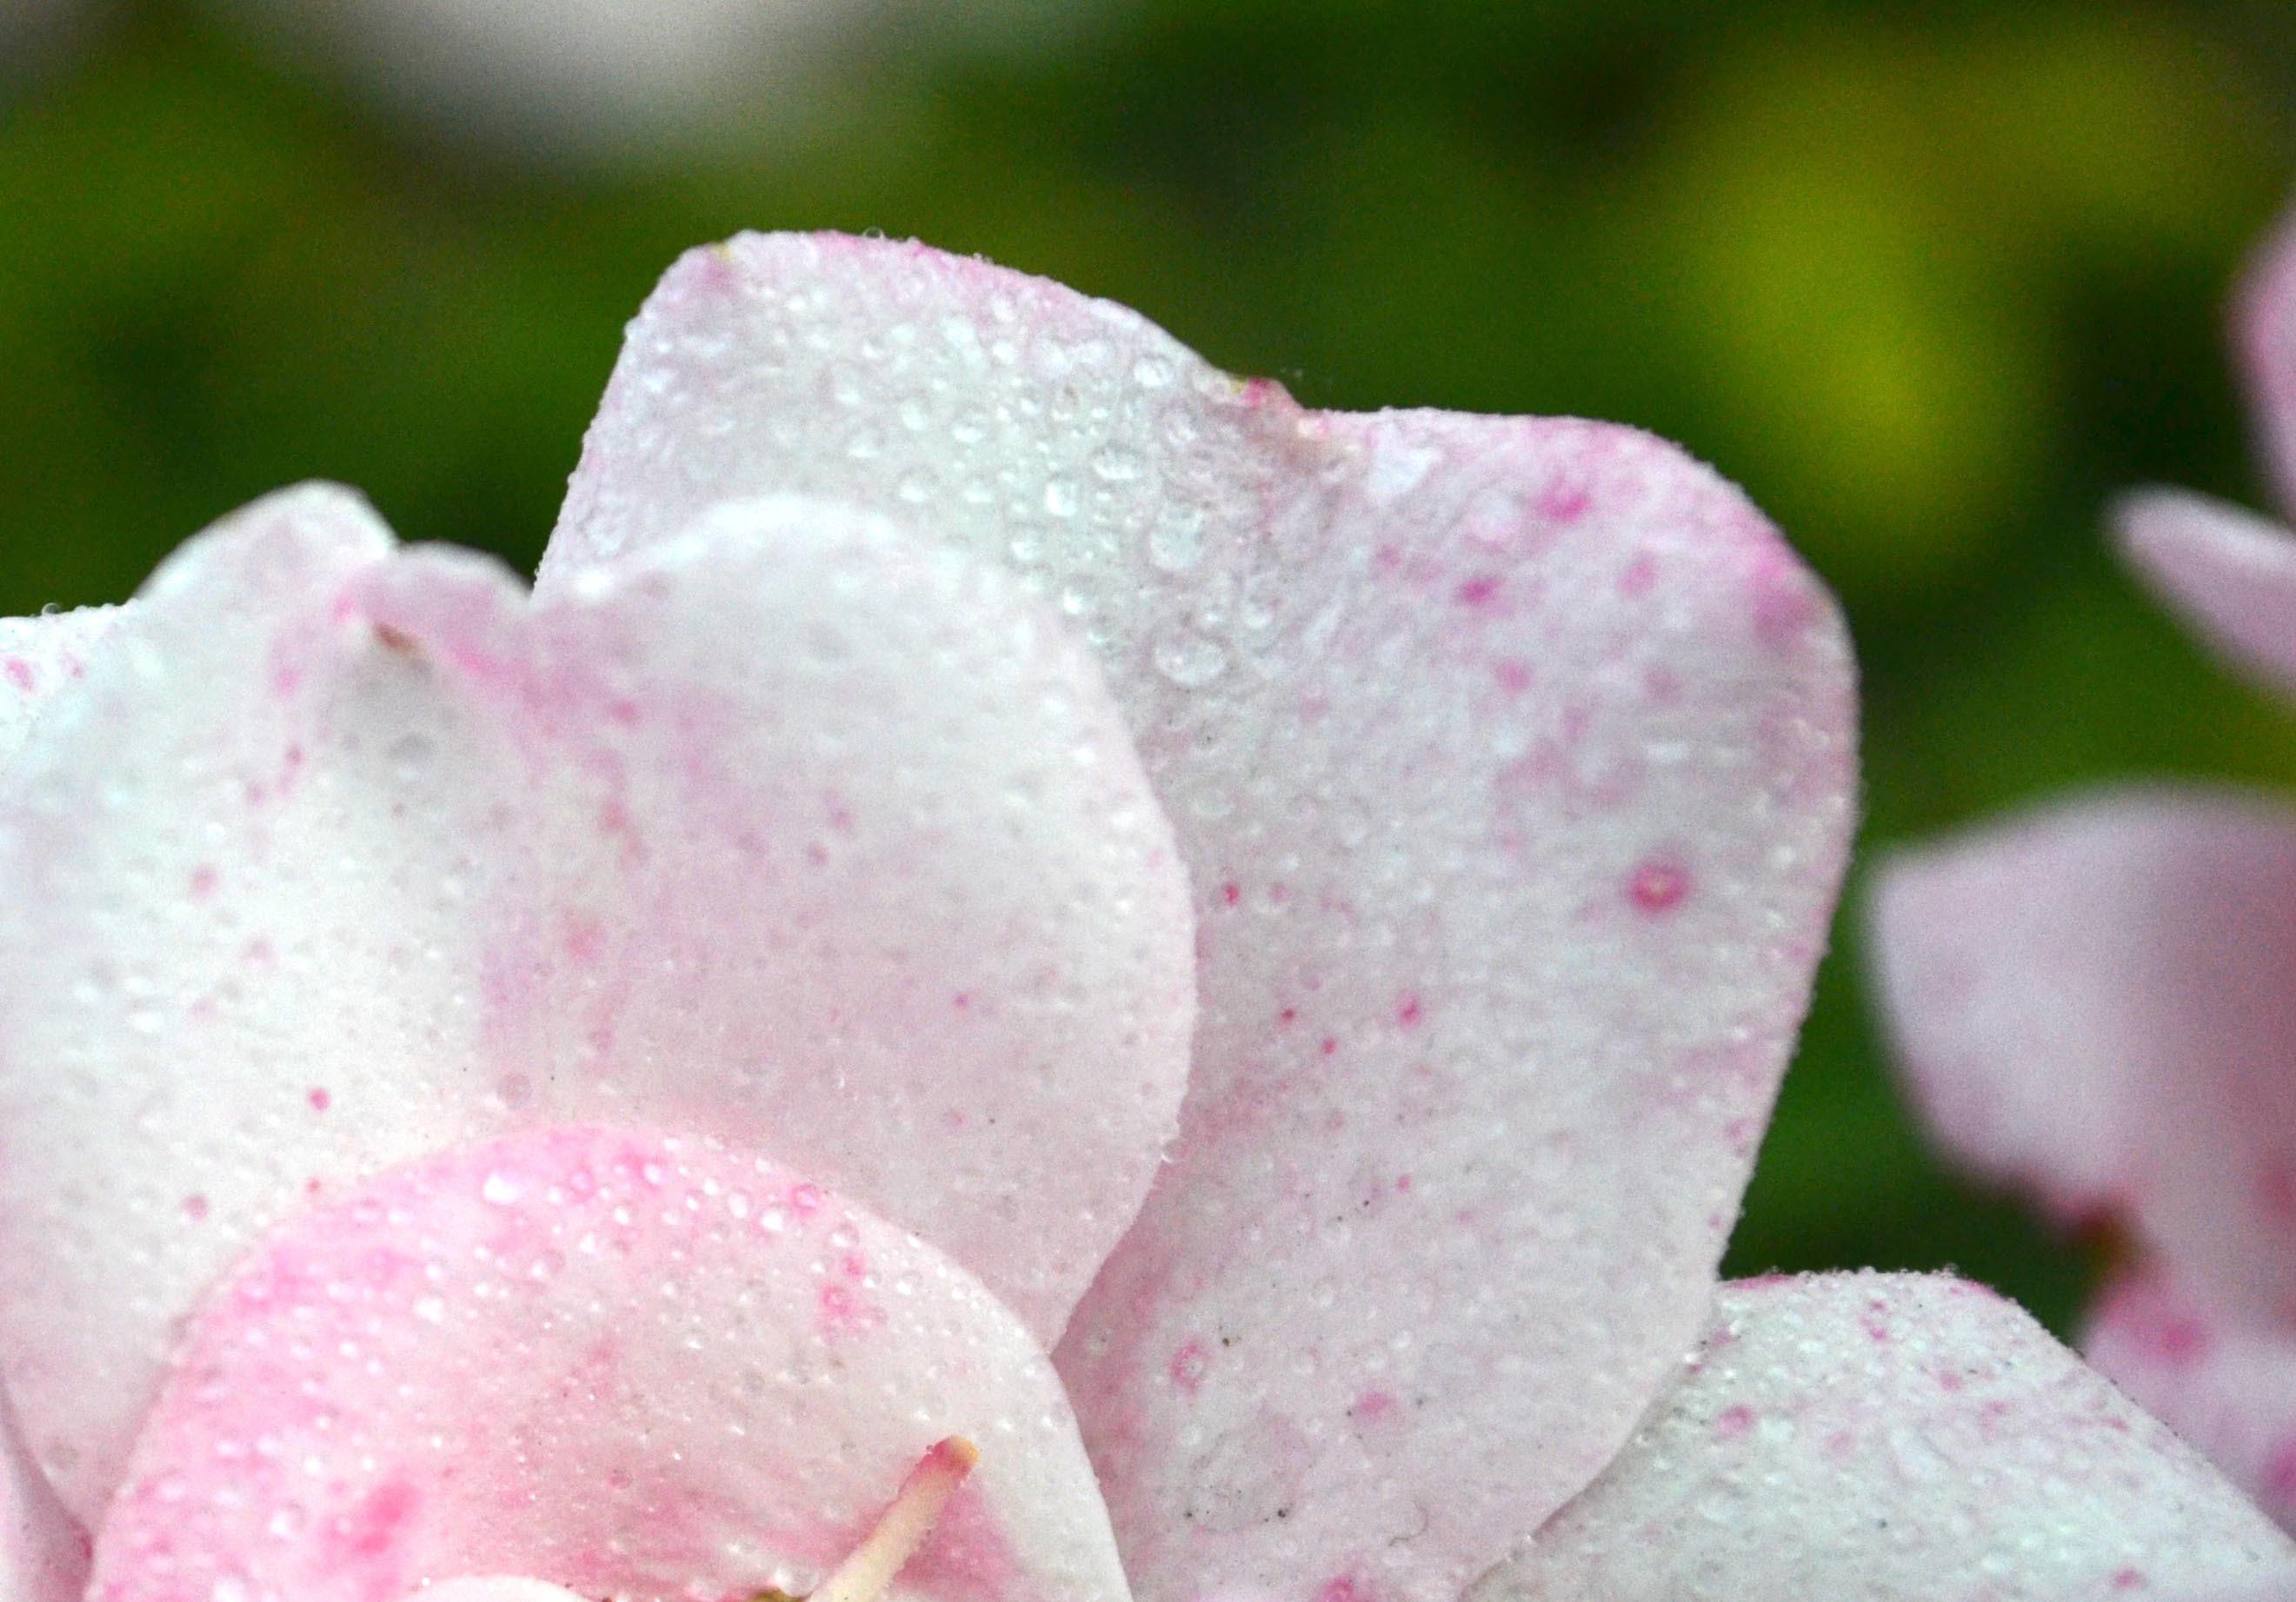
1511	760
2230	573
2225	1383
1875	1437
38	657
43	1551
2097	1001
790	832
2266	328
625	1364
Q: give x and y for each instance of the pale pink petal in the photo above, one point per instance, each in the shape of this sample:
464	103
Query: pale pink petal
2231	573
2265	325
2097	1001
1887	1437
43	1551
2224	1382
789	832
1511	760
39	656
630	1365
495	1588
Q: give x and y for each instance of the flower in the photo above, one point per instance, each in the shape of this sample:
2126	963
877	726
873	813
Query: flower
2096	1002
472	1062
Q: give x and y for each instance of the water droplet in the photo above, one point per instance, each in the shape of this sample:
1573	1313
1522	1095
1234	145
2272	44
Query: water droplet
1190	660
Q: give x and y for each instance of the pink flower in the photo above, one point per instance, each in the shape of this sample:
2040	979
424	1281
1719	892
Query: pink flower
471	1062
2098	1002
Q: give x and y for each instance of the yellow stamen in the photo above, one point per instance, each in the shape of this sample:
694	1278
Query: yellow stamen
877	1562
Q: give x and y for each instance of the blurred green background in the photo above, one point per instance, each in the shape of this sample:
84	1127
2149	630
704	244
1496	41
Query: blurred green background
1930	281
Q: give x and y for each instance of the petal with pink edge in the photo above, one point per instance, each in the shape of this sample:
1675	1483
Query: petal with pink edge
2266	328
1878	1437
2095	1001
2223	1382
1511	760
43	1551
2230	573
39	656
630	1365
790	831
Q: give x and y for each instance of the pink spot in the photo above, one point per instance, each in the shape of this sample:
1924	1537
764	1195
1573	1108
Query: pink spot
204	881
1479	594
1342	1588
1564	501
1329	1046
1640	575
1409	1010
585	938
961	1000
1784	602
2177	1340
1512	673
2128	1580
1373	1406
1288	1017
1189	1365
1230	892
1658	886
320	1100
854	1266
371	1528
195	1207
1260	392
20	675
806	1199
1403	1183
1733	1423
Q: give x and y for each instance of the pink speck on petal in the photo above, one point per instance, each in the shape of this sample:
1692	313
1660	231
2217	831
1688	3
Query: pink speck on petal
1564	501
20	675
806	1199
1230	892
1479	594
1189	1365
1513	673
195	1207
1658	884
204	881
2280	1479
1342	1588
320	1100
1409	1009
1734	1422
1639	576
1373	1405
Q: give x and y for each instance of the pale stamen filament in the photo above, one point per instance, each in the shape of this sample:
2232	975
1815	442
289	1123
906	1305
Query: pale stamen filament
869	1572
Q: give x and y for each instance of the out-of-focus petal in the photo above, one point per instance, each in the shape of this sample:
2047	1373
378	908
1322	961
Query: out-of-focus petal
2225	1383
1880	1437
2097	1001
38	657
1512	759
2230	573
629	1365
2265	328
790	831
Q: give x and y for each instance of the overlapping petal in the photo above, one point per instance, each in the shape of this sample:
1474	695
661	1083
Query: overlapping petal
790	831
2096	1003
641	1366
1511	760
2223	1382
1878	1438
2231	573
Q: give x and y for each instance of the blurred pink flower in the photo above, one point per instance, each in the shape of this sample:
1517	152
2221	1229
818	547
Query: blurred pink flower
2098	1002
471	1061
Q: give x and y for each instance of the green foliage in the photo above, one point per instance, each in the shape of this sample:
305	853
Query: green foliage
1931	281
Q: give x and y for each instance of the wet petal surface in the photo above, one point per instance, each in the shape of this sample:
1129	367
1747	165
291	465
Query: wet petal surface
1511	762
632	1366
1880	1438
792	832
